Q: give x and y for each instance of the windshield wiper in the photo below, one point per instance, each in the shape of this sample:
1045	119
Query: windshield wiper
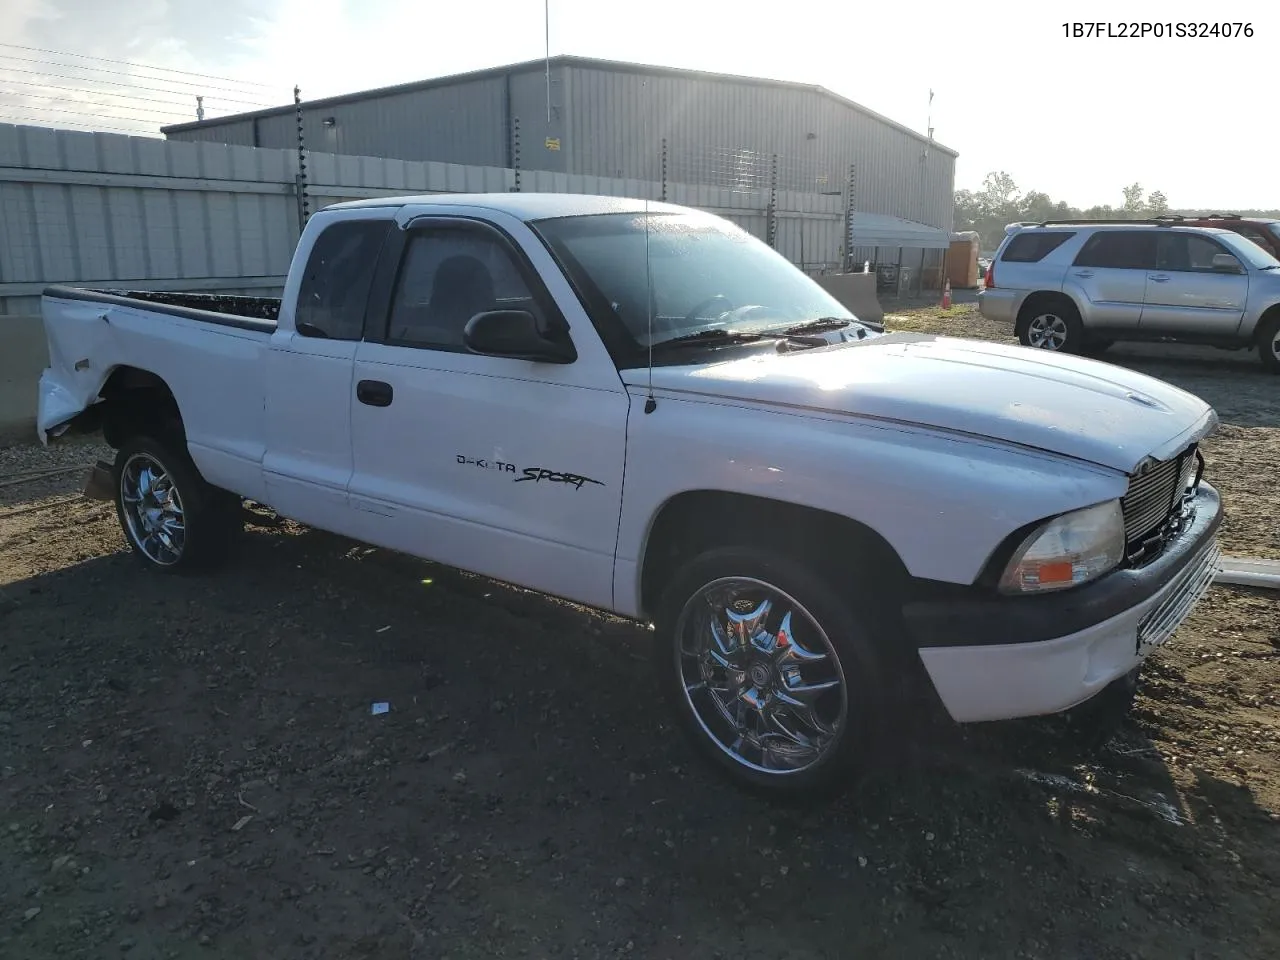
718	336
704	338
815	326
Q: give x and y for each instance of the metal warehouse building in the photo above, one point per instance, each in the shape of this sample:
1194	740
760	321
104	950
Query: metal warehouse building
601	118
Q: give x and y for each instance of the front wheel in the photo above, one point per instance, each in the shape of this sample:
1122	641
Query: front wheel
771	672
1269	341
172	518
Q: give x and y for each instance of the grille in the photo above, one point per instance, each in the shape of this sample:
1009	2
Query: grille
1152	499
1195	581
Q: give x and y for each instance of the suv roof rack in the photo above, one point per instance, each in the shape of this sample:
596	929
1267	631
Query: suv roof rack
1165	221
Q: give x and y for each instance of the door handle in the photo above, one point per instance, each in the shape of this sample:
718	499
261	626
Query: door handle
1160	279
374	392
1084	273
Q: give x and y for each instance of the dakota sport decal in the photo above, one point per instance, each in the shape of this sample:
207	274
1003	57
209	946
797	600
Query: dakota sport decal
530	474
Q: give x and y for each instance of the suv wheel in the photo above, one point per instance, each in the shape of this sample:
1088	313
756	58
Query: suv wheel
1269	341
1051	326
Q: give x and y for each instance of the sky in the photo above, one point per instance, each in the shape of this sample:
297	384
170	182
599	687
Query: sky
1076	118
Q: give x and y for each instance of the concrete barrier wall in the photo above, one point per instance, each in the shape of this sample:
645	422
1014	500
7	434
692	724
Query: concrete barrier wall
23	354
857	292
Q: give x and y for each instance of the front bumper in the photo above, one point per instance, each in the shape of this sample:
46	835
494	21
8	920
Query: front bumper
997	658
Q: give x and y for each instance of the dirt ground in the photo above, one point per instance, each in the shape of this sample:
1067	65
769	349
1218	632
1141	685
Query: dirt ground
190	768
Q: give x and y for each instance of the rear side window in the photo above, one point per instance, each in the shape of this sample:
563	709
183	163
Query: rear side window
1033	247
1120	250
339	272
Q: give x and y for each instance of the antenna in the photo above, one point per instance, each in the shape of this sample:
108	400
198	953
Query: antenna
650	404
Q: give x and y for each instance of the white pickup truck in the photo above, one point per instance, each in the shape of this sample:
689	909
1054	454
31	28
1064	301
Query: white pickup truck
639	407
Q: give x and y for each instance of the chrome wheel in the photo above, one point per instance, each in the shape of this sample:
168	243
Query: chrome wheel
1275	345
152	509
761	677
1047	331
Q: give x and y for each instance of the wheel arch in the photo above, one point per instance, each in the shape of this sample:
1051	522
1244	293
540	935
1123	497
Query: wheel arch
1269	316
1042	299
1268	327
135	400
694	520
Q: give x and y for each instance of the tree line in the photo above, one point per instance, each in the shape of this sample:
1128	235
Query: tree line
1000	202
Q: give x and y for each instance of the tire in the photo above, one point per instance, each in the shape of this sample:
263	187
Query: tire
183	524
1053	325
827	640
1269	341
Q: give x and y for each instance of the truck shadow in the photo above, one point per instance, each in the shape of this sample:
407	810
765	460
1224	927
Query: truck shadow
526	781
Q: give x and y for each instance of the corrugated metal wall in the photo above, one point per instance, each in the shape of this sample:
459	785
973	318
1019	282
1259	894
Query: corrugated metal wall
616	121
456	124
85	208
611	122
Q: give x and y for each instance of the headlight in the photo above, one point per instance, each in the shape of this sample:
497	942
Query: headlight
1067	551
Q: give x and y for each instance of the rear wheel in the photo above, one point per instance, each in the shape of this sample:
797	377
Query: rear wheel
772	673
1269	341
1051	325
173	520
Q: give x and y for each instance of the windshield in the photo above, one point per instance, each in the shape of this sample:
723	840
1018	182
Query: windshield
1275	229
1248	251
705	273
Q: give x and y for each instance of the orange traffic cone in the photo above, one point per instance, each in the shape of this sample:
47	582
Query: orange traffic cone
946	295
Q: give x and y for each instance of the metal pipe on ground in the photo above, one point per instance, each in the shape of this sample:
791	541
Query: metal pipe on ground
1249	572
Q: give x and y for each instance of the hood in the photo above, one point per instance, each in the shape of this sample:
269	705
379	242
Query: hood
1066	405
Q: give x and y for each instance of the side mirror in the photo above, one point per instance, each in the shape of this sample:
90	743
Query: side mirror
515	334
1226	263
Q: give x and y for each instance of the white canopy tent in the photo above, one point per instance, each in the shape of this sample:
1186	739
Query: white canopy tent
880	232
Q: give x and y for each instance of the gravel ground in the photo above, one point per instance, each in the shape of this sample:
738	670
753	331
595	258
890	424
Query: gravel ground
190	768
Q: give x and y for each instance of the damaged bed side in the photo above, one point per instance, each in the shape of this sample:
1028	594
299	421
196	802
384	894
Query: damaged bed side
190	361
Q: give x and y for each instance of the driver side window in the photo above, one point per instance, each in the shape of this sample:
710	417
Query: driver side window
1188	253
448	275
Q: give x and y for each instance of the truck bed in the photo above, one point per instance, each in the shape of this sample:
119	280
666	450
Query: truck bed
247	313
211	360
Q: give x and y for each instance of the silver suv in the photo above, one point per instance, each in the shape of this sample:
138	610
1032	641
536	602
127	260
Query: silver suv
1078	286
